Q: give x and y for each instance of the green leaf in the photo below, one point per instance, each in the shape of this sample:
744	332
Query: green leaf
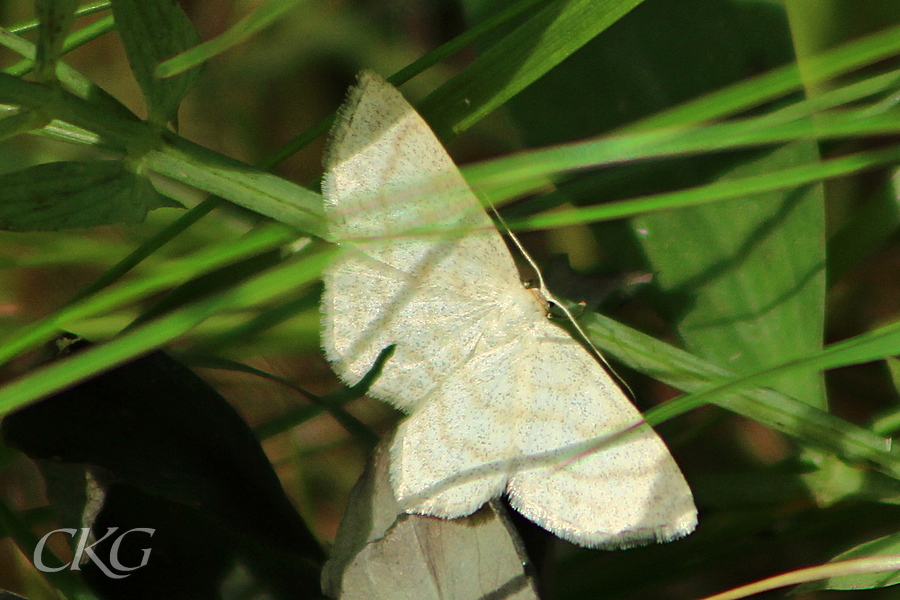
250	24
72	195
152	31
894	367
869	226
870	346
251	188
539	44
744	280
889	423
790	177
528	171
741	281
835	481
179	159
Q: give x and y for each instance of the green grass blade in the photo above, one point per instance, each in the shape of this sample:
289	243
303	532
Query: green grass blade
264	15
261	239
544	40
257	190
59	375
527	170
691	373
779	82
787	178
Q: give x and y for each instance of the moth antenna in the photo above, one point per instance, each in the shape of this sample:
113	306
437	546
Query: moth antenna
549	297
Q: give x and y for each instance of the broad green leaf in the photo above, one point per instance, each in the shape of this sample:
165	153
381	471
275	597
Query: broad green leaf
152	31
744	281
893	364
868	347
791	177
869	226
889	423
179	158
756	91
741	281
644	68
818	26
73	195
528	171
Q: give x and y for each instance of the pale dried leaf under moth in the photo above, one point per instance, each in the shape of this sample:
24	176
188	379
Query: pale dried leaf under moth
380	552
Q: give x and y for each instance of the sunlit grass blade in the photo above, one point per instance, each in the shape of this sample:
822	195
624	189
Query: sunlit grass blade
775	84
262	321
518	170
874	345
59	375
788	178
259	240
690	373
856	566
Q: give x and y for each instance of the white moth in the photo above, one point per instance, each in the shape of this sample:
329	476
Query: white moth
487	379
